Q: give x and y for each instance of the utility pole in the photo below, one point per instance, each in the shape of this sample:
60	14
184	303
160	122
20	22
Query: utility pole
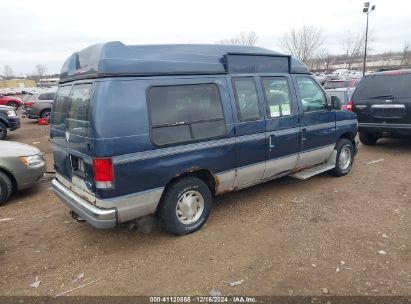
367	10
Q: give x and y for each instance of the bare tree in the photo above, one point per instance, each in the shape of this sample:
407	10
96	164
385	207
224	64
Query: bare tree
386	57
406	54
302	43
244	38
41	70
353	46
322	60
8	72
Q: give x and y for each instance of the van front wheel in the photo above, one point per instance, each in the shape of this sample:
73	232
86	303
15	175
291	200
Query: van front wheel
185	206
344	159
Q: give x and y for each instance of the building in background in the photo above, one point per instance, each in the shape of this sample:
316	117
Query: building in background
17	83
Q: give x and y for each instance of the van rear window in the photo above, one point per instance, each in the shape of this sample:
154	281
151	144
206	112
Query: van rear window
58	115
185	113
379	86
78	113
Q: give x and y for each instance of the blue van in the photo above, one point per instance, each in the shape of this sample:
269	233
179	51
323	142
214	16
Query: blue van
161	129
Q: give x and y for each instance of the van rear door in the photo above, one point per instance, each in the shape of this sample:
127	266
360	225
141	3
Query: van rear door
72	144
58	129
384	98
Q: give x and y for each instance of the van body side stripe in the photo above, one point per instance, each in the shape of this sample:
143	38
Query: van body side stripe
151	154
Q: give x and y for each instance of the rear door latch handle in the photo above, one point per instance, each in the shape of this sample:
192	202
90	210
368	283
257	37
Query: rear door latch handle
272	141
303	135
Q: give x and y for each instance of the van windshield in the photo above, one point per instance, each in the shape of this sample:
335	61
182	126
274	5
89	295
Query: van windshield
392	86
78	113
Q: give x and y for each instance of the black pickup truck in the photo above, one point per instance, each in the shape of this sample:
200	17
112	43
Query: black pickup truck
8	120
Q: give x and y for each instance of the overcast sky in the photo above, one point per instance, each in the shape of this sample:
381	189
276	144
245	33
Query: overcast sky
47	32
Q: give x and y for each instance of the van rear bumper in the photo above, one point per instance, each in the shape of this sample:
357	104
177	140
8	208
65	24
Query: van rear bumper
97	217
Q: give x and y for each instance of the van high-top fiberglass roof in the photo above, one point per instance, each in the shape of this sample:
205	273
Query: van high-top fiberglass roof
116	59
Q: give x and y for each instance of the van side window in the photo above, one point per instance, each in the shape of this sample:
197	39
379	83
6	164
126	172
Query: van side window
246	98
58	116
78	113
312	97
277	96
185	113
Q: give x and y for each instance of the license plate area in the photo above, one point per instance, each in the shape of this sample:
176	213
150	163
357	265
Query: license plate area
77	166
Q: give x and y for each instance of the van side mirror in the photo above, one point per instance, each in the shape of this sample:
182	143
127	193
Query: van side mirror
335	103
329	102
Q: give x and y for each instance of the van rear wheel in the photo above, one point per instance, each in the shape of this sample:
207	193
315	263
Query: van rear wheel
368	139
344	159
185	206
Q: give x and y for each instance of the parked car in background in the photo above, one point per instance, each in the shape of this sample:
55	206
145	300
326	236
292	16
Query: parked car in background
224	118
382	102
38	105
334	84
8	120
10	101
26	97
342	96
21	166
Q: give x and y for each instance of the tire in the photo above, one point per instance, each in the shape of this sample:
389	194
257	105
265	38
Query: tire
45	114
345	158
6	188
13	104
368	139
180	219
3	131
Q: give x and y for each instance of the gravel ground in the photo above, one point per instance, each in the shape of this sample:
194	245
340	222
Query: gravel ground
285	237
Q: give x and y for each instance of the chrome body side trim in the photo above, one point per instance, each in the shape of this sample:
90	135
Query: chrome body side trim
248	175
314	157
134	205
225	181
280	165
106	213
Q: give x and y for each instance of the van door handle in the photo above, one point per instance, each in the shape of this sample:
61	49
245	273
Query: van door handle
272	141
303	135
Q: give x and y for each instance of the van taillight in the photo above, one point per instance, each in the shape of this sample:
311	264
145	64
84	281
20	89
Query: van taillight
347	106
103	172
29	103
